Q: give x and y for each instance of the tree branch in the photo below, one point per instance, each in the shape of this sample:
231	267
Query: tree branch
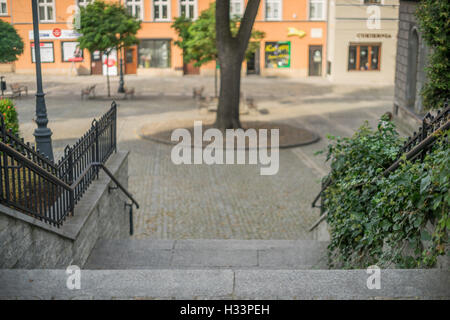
223	32
245	29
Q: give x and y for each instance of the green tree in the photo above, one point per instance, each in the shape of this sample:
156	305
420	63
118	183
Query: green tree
11	44
434	21
107	26
198	38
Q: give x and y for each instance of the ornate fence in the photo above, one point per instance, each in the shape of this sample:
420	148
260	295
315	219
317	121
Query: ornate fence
48	191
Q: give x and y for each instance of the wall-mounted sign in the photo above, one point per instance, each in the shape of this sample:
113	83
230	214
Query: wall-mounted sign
316	33
294	32
56	33
278	54
46	52
373	35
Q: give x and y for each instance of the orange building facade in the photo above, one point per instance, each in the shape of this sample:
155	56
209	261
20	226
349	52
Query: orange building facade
294	44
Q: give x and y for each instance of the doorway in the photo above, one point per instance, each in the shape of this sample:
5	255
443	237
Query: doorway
130	61
315	60
96	63
253	63
189	68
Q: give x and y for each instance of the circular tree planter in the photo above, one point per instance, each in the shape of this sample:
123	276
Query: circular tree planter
290	136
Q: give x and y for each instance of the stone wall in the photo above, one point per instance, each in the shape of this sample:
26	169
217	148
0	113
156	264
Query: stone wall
28	243
407	24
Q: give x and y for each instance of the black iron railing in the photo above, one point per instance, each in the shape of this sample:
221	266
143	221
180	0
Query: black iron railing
415	147
48	191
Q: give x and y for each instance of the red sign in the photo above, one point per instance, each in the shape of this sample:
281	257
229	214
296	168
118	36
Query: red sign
110	62
57	32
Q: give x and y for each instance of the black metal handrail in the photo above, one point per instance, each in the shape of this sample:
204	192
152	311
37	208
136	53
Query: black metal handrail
33	184
416	145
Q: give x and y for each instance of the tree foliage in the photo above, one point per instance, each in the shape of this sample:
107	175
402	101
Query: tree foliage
434	21
400	220
106	26
11	44
198	38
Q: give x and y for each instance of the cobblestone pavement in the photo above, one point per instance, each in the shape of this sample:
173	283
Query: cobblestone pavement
219	201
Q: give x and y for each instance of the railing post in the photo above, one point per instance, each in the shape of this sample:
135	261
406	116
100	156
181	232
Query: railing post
97	150
114	126
70	169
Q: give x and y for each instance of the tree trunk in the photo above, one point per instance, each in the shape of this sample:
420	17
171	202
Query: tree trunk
215	81
231	51
230	86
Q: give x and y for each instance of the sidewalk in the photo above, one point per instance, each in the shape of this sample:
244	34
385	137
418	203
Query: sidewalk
220	201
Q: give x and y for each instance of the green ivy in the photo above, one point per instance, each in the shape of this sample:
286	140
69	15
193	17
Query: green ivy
400	220
9	113
434	21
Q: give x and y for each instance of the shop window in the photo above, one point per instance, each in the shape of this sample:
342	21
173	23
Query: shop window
273	9
71	51
364	57
278	54
188	8
236	8
317	10
134	8
47	55
3	8
161	10
154	54
46	10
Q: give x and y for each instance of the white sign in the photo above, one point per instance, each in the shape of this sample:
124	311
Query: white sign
110	63
71	50
316	33
56	33
46	52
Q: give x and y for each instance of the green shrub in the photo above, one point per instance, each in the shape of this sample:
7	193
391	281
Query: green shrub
9	113
382	220
434	21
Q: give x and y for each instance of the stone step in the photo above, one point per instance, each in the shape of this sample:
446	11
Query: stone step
174	254
224	284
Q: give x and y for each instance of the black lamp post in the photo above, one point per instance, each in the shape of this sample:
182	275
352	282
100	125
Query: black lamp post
42	134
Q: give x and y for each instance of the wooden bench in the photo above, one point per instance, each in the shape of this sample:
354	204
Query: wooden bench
88	91
17	89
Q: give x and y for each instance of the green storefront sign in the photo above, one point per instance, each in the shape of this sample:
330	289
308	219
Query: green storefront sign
278	54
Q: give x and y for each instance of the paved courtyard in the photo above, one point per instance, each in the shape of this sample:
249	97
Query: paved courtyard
219	201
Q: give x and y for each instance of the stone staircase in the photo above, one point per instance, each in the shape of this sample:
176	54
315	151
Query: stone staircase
219	269
210	254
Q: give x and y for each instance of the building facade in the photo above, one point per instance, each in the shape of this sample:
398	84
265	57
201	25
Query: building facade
362	39
295	41
410	73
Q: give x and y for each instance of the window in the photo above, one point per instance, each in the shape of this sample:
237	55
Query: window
3	8
154	54
364	57
71	51
46	52
236	8
188	8
317	10
273	9
161	10
372	1
134	8
46	10
278	54
83	3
